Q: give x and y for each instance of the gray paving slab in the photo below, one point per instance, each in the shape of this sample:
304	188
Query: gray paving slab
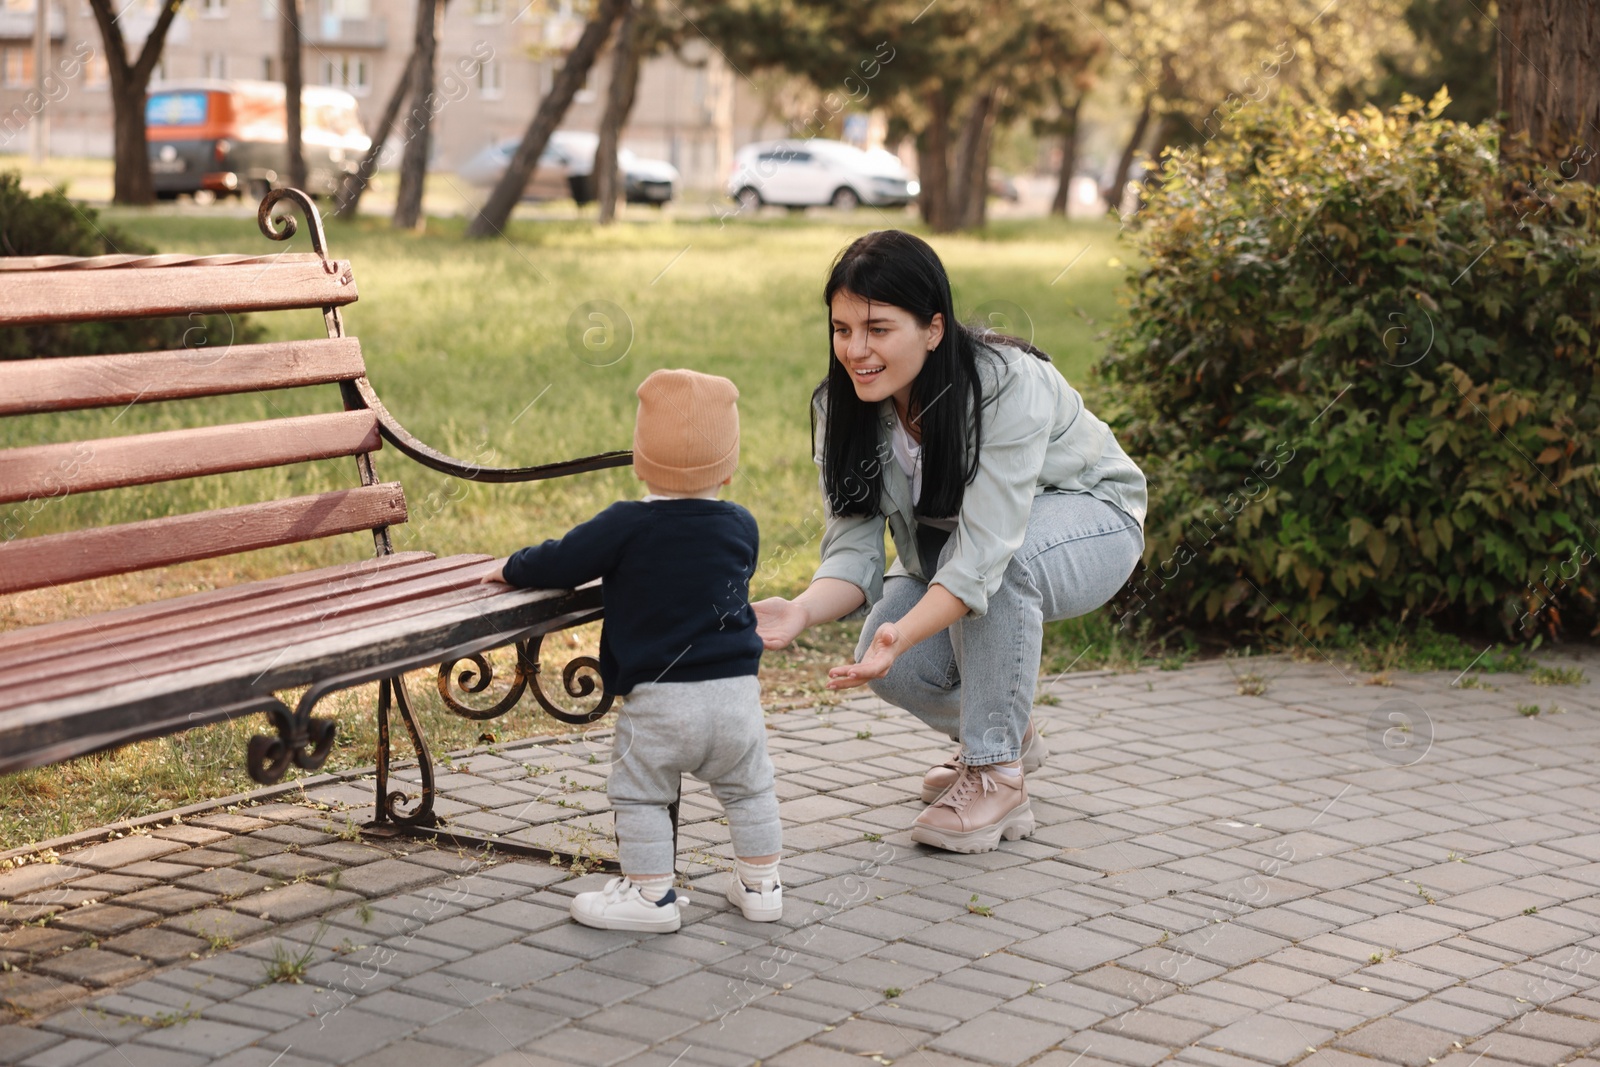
1216	880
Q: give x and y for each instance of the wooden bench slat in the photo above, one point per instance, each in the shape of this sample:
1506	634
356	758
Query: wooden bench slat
37	385
31	639
45	471
218	642
292	280
55	559
39	733
148	639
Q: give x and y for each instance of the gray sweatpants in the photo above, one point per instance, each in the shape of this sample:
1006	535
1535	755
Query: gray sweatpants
713	730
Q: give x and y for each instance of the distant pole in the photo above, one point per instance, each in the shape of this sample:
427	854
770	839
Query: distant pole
41	63
292	46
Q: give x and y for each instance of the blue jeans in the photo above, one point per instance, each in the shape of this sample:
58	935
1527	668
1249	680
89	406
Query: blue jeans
975	681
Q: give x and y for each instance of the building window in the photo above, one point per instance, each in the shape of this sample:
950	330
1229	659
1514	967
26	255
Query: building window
159	73
213	65
270	10
214	9
491	79
268	71
345	71
17	61
347	10
96	75
488	10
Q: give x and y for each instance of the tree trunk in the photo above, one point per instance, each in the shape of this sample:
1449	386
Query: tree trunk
1119	182
619	102
1550	80
130	183
419	123
130	152
491	220
291	45
353	185
933	152
975	206
969	147
1069	157
1166	132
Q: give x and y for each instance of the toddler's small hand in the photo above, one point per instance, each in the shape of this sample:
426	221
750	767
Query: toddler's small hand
496	574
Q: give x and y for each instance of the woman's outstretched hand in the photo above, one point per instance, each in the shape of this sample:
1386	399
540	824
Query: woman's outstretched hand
778	621
881	654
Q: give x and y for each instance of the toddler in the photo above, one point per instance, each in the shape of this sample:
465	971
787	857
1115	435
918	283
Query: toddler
679	640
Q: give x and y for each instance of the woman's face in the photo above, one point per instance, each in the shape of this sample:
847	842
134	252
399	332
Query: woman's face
882	347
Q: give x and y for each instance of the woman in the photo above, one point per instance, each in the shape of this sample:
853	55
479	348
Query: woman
1009	505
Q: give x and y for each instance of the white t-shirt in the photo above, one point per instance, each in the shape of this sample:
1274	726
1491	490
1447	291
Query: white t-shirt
908	454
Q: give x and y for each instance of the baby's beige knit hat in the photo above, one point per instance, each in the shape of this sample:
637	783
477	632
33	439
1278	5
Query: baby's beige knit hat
686	438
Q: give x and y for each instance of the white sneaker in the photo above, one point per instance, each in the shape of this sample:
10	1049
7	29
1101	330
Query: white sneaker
620	906
762	905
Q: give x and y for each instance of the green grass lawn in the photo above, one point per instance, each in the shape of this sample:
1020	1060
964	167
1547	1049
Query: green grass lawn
467	342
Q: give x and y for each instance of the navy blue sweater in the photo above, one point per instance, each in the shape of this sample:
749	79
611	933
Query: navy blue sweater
675	579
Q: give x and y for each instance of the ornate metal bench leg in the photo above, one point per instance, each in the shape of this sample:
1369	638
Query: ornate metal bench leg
388	803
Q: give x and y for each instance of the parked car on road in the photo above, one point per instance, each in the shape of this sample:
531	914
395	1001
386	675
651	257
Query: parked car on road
566	169
812	172
223	138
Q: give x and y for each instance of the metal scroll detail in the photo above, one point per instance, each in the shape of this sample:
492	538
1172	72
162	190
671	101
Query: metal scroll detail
283	227
580	677
301	739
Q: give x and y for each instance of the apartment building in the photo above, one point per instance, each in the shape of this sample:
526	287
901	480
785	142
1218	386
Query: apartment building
496	60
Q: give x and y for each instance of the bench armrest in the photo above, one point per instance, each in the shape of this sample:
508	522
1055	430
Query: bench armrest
402	440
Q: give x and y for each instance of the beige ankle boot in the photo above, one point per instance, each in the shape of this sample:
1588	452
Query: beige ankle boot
942	777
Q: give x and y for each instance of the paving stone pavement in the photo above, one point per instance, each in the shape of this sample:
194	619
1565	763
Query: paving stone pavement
1330	873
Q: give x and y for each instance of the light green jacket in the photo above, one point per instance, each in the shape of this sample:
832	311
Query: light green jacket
1037	437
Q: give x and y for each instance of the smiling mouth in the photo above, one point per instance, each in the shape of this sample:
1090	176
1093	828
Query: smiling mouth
867	372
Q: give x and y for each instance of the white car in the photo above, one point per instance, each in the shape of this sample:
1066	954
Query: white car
805	173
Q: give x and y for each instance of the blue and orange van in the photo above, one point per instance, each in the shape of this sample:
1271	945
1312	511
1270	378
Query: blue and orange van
228	138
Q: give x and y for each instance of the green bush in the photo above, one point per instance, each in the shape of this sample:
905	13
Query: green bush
52	225
1360	369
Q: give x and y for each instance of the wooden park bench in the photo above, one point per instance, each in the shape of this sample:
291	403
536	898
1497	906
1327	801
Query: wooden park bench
83	685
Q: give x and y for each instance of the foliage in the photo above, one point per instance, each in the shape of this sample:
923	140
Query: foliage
1455	50
1200	65
51	225
946	74
1360	368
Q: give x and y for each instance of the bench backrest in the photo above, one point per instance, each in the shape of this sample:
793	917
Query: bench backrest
60	289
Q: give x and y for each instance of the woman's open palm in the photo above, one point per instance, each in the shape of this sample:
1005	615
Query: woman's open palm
880	656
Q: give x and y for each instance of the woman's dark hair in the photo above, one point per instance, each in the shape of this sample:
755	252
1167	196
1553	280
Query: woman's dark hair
893	267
